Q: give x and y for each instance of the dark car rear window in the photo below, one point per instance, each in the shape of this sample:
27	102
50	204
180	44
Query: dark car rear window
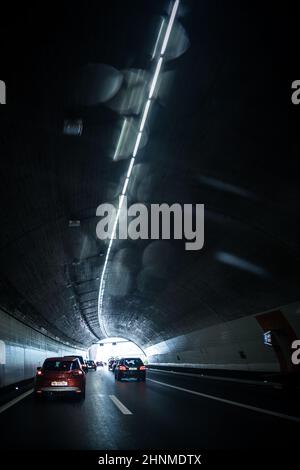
134	362
80	358
60	365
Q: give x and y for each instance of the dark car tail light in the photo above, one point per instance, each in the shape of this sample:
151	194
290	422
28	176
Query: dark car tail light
122	368
142	367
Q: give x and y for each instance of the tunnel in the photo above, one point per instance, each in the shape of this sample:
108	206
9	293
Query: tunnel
181	111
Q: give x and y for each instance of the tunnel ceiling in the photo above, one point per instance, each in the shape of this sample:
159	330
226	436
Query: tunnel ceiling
218	135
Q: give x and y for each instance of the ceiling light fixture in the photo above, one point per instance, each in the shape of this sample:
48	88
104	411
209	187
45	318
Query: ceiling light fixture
135	151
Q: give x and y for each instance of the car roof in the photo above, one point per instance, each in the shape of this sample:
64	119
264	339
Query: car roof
130	359
64	358
74	356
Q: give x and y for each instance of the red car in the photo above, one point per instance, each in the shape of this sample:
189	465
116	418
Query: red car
60	375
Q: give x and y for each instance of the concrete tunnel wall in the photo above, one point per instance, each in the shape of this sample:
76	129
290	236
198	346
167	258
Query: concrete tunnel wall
234	345
22	350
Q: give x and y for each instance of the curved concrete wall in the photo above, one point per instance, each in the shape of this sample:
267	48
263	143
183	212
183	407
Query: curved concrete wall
23	349
235	345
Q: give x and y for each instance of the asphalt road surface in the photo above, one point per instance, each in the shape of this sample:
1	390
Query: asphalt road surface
169	411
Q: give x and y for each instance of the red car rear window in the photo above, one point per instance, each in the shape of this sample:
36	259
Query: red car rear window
58	365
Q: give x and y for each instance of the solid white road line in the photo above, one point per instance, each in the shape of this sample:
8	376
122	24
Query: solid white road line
120	405
216	377
15	400
229	402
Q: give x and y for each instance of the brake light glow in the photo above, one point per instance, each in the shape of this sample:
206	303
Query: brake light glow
122	368
39	372
142	367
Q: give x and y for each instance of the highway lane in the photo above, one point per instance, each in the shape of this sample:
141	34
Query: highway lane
152	415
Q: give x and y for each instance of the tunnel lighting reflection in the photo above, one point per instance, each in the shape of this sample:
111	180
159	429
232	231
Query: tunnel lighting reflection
158	38
120	139
226	187
130	99
240	263
127	137
135	151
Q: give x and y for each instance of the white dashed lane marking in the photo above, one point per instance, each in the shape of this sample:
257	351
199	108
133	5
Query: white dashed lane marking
120	405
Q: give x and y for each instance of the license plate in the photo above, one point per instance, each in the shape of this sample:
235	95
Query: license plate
132	368
59	384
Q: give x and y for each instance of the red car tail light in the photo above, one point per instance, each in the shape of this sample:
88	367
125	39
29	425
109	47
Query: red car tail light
39	372
122	368
142	367
77	372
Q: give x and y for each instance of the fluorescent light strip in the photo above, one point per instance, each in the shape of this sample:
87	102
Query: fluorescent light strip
120	139
114	227
158	38
125	186
111	240
130	167
136	147
145	114
137	144
121	200
156	73
169	28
